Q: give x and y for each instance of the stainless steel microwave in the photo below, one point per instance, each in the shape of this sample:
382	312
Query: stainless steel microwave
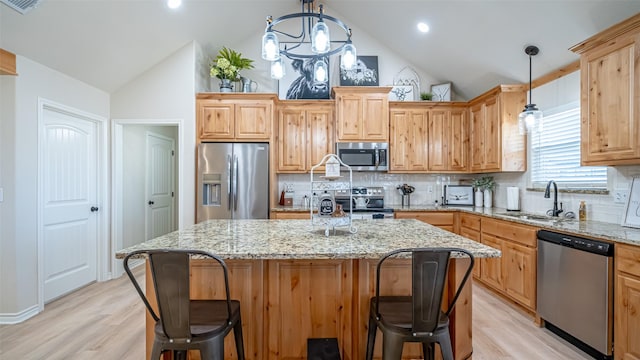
364	156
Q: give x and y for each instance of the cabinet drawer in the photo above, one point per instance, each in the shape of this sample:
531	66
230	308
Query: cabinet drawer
525	235
628	259
470	222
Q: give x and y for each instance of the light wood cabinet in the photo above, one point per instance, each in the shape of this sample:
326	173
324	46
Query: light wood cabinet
290	215
235	116
470	228
362	113
305	134
308	299
443	219
428	137
627	303
448	139
610	95
7	63
514	274
496	143
408	151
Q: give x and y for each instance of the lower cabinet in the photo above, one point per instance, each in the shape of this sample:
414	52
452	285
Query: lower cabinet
441	219
514	274
290	215
469	227
627	303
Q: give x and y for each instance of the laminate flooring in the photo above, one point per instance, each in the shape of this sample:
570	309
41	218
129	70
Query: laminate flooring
105	321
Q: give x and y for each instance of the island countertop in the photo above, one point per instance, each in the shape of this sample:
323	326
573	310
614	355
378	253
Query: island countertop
298	239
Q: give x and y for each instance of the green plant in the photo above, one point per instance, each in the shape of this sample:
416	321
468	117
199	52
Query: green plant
484	183
228	63
426	96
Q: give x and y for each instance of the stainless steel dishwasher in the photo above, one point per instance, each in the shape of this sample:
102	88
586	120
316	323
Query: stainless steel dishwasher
575	291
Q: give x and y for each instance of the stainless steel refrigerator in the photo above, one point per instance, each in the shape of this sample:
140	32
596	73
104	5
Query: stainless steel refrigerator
233	181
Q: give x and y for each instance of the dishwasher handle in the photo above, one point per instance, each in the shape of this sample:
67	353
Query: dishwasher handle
579	243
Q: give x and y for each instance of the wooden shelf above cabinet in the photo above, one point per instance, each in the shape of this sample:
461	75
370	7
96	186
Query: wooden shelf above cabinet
7	63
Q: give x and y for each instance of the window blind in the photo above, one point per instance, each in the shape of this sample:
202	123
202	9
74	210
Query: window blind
556	152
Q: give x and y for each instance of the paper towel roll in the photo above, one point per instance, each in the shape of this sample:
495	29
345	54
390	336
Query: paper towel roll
513	198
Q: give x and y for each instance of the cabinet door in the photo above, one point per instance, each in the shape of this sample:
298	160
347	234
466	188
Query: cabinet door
610	129
475	236
491	268
477	137
320	125
376	117
253	120
627	317
458	144
292	140
409	140
216	120
349	112
399	145
520	273
492	135
438	142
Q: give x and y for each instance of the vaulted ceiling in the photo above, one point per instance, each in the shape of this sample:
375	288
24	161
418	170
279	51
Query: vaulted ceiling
474	44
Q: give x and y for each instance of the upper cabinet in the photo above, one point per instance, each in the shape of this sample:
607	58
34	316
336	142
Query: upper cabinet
234	116
428	137
7	63
496	143
305	134
610	95
362	113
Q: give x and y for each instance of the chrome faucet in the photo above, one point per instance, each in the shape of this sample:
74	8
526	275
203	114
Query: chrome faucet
547	195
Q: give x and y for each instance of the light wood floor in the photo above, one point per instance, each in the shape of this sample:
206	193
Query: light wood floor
106	321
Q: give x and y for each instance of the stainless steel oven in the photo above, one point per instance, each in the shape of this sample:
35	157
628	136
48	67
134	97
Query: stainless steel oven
364	156
364	202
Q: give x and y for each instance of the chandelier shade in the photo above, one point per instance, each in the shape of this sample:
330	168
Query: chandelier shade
531	117
314	31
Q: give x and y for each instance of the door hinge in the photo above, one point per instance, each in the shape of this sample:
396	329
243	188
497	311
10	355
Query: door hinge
172	153
172	194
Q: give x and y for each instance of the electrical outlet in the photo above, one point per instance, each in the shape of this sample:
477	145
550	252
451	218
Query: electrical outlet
620	196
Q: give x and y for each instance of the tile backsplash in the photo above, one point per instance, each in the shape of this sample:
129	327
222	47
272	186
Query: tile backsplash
428	189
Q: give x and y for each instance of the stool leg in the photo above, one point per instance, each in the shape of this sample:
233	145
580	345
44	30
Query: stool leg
445	345
371	338
237	334
391	346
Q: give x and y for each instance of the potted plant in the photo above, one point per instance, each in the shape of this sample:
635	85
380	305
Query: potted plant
226	67
484	191
426	96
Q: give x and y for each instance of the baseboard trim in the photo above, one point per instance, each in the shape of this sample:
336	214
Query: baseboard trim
10	319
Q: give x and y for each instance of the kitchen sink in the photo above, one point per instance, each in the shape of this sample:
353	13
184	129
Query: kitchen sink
536	217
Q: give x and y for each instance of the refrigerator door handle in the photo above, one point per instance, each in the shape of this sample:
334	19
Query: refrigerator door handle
229	182
235	183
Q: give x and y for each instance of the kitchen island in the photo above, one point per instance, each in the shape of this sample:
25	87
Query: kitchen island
295	283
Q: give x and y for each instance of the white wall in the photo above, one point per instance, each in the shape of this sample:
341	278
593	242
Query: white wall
167	91
18	244
134	197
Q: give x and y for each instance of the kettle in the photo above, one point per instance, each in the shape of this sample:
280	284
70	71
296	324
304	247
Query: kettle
248	85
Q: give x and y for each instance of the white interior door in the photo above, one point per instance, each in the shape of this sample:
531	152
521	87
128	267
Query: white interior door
160	179
70	177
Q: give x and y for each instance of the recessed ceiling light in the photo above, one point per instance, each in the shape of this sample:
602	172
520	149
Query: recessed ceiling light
174	4
423	27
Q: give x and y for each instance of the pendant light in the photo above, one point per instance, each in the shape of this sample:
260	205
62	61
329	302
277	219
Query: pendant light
530	118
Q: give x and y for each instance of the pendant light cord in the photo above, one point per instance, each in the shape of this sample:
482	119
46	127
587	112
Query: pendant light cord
530	79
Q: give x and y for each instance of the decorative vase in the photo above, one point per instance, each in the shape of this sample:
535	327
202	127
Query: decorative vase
488	198
478	198
226	85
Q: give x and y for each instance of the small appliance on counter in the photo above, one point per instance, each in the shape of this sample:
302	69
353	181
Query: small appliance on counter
513	198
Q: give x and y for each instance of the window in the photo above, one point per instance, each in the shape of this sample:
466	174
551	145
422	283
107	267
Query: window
556	152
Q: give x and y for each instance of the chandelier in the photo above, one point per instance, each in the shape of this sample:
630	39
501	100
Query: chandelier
530	118
314	30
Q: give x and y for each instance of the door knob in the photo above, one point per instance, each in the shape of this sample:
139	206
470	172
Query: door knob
94	209
151	202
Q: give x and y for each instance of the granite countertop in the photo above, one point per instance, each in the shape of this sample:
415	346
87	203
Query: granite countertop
298	239
590	228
